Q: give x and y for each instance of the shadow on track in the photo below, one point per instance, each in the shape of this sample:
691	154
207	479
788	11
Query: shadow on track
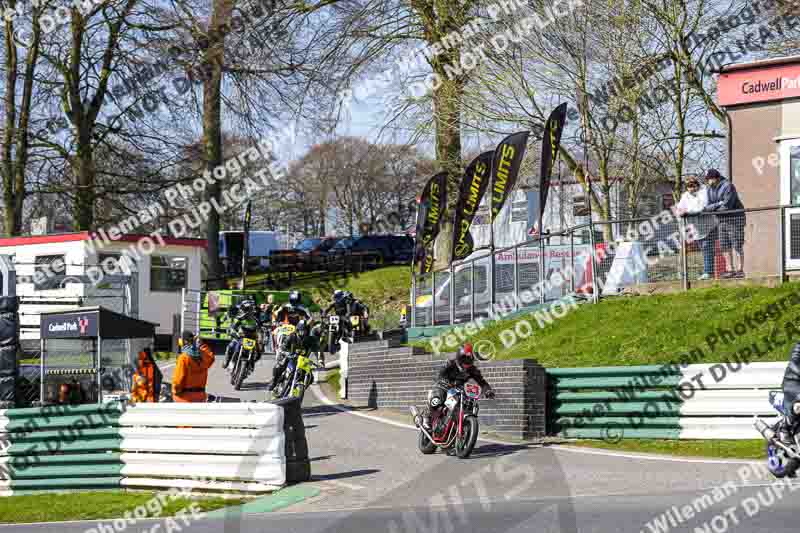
344	475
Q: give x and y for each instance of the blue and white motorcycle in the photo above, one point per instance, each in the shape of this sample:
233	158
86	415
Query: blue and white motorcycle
783	442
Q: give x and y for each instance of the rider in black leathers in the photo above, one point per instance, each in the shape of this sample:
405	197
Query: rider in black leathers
242	316
292	312
458	370
791	390
344	304
303	339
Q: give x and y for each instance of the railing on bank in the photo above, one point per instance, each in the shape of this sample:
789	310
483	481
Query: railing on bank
601	258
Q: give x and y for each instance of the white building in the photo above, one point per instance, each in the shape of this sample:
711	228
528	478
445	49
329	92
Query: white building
63	270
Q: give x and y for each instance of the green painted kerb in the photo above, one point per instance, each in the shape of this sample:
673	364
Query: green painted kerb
268	504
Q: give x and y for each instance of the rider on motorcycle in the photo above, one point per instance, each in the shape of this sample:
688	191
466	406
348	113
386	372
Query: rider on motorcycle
791	394
345	305
458	370
244	316
292	312
302	339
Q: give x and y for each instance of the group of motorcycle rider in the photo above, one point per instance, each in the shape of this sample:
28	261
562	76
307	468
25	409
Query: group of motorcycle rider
306	335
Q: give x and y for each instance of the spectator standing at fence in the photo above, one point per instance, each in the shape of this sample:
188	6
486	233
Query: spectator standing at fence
693	201
722	196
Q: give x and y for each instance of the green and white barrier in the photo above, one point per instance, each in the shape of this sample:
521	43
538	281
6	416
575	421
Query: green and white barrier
208	446
669	402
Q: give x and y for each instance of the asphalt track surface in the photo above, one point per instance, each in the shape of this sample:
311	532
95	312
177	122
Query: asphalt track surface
372	479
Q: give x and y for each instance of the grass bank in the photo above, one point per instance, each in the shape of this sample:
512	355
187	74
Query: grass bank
719	449
53	507
642	330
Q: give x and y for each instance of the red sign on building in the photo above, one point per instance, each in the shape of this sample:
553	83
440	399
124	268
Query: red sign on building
759	84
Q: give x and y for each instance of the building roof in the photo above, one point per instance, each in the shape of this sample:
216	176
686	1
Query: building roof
85	236
774	62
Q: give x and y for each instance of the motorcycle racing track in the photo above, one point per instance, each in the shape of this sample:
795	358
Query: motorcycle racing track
373	479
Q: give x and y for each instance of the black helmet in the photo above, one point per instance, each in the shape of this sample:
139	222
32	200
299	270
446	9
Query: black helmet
338	296
465	357
301	328
248	306
294	297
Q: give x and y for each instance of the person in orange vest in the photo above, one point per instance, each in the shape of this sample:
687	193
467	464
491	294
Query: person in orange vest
191	370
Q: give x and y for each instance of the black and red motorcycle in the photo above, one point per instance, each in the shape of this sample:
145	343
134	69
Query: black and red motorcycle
455	427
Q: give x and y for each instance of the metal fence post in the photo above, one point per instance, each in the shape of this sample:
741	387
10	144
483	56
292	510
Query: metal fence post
684	255
516	279
572	261
782	255
472	291
183	309
452	294
492	294
413	299
593	255
542	297
433	298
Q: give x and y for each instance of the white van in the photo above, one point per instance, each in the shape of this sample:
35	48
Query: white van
261	243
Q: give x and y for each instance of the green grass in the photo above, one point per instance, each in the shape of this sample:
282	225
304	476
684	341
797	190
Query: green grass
724	449
53	507
641	330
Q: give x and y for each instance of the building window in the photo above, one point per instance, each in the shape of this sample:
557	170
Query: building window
109	263
48	272
167	274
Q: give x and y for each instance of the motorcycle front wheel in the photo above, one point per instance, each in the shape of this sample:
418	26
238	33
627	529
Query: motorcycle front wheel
779	465
469	436
239	373
425	445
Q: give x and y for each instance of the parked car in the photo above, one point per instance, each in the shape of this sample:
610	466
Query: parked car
308	255
313	254
372	250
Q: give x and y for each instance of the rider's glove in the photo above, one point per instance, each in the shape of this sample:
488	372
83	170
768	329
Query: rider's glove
490	394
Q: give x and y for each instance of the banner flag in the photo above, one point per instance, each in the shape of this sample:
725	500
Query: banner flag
505	167
551	141
473	187
433	201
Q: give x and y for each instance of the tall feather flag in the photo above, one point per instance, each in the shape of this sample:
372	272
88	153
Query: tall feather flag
551	141
473	187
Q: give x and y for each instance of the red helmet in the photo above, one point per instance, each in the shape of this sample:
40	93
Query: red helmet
465	357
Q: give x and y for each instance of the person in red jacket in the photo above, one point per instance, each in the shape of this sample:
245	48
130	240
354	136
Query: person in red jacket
191	370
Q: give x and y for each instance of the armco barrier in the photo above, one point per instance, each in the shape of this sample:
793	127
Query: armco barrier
208	446
709	401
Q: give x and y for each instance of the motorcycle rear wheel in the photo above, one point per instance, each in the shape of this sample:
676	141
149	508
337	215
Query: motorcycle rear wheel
425	445
466	443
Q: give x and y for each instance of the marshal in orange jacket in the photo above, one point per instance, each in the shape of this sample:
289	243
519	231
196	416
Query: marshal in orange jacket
191	375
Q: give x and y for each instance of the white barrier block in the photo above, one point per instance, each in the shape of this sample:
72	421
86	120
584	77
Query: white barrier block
191	441
263	469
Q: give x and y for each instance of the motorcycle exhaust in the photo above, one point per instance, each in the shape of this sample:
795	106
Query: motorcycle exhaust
762	427
418	423
769	434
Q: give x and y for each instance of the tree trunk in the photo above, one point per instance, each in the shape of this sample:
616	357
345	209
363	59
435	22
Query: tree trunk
212	129
84	178
447	118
